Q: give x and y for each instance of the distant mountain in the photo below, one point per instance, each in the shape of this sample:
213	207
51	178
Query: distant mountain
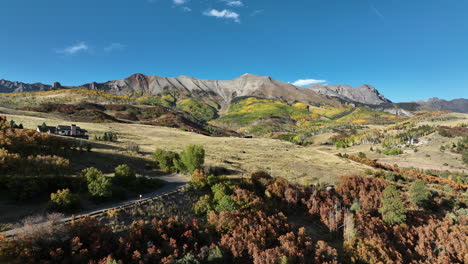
19	87
456	105
364	94
224	91
221	92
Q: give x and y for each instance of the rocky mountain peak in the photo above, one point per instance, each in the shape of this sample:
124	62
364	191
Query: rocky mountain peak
364	94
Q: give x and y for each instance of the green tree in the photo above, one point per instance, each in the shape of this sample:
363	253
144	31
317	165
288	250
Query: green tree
419	194
43	127
165	159
124	174
99	185
192	158
63	200
393	210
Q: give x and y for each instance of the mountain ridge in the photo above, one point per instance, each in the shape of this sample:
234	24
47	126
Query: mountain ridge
224	91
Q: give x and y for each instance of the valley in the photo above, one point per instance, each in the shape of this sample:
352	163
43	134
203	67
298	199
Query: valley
323	170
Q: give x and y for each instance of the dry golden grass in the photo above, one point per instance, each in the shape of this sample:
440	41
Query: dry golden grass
304	164
428	155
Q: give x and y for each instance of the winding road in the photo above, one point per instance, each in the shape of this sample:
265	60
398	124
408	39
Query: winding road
172	183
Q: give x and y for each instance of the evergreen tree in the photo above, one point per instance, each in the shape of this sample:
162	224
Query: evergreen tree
393	210
419	194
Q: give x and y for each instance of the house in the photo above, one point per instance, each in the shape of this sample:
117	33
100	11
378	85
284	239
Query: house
69	131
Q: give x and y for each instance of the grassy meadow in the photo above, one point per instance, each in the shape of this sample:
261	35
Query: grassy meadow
240	155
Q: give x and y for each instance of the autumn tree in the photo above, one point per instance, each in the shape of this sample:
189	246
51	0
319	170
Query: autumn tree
393	210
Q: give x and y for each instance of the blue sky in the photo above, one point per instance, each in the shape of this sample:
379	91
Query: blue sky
408	50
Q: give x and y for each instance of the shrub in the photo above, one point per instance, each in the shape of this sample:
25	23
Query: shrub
393	151
215	255
362	155
192	158
63	200
132	147
226	204
203	206
99	186
356	206
393	210
165	159
199	179
107	136
219	190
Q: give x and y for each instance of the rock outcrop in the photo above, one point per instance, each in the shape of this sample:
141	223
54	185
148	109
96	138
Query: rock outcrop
364	94
19	87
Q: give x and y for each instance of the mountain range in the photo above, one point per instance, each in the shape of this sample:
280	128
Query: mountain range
224	91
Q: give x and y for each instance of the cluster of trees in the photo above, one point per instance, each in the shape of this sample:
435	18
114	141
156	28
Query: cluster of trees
107	136
390	151
376	220
456	131
349	139
101	187
187	161
408	173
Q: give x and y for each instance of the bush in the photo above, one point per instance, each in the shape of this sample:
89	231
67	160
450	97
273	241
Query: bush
226	204
132	147
393	151
355	207
124	175
362	155
99	186
419	194
63	200
393	210
192	158
203	206
220	190
165	159
199	179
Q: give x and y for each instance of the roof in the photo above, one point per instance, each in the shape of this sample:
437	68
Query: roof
48	128
60	127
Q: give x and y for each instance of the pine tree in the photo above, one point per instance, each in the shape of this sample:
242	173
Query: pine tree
393	210
419	194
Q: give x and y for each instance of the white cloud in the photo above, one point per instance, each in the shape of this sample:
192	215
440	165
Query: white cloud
179	2
307	82
115	47
235	3
227	14
186	9
74	49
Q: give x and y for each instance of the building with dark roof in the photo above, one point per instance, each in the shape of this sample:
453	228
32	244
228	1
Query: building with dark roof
69	131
